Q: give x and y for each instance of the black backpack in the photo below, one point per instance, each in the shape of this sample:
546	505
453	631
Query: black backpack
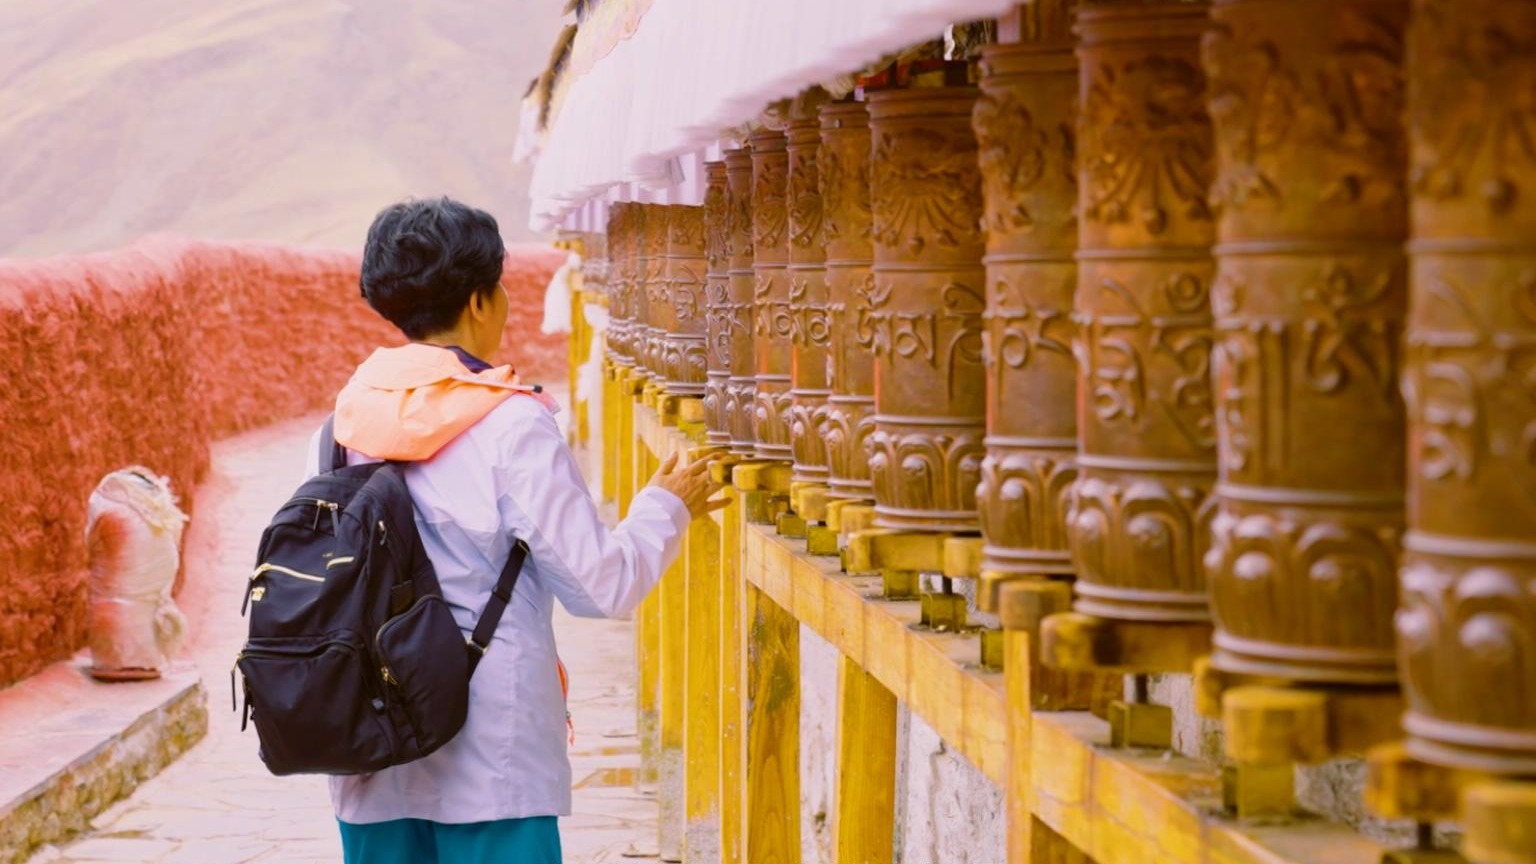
354	662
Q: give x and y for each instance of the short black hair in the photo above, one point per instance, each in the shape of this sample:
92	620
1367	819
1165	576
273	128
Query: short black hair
425	259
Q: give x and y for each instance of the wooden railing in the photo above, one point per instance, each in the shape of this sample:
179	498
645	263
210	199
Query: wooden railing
719	685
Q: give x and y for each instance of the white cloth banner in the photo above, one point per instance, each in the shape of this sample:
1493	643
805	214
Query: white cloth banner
695	68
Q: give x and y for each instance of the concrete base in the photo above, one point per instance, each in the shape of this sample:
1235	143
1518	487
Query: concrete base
71	746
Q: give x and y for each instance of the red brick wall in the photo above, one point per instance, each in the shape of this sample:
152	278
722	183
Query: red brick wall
144	356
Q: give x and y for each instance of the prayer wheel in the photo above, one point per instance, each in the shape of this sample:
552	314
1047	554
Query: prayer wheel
1141	511
772	322
1024	133
656	312
925	319
718	313
741	387
844	175
683	360
810	329
639	286
1467	630
621	285
1309	302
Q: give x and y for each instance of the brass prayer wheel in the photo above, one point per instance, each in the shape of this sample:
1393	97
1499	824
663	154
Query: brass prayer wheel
683	361
844	174
1309	302
717	300
1023	124
741	387
656	312
772	323
1467	630
810	328
1140	518
621	284
925	319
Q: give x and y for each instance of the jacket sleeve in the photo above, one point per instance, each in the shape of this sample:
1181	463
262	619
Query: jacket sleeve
594	571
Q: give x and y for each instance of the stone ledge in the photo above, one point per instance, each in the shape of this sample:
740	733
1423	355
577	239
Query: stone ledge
71	746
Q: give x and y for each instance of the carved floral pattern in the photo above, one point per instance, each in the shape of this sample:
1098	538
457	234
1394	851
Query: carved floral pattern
1141	534
1278	579
925	479
924	182
805	207
1331	106
1146	148
845	194
1024	496
1015	153
1475	68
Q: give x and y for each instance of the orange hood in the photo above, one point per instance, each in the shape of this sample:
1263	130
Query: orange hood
406	403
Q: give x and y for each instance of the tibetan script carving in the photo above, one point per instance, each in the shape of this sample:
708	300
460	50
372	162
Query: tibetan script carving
1139	523
924	321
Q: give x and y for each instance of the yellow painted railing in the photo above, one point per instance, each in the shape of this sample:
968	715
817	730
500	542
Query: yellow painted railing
719	679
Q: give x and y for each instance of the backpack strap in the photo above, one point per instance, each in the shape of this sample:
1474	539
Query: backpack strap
501	595
332	455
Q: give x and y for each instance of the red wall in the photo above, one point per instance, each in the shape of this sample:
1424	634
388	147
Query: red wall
144	356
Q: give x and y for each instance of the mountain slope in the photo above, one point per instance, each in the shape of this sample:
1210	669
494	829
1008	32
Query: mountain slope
285	120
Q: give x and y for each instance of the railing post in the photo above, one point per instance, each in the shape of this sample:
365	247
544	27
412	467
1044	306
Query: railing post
732	681
671	649
647	632
702	723
773	732
866	768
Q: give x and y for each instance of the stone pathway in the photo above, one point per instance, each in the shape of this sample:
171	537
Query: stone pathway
218	805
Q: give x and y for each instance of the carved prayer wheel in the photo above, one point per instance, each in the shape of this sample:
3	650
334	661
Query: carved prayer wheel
656	311
683	356
621	286
1024	129
810	328
1467	630
844	170
741	387
925	320
1309	301
639	327
770	295
1141	510
717	229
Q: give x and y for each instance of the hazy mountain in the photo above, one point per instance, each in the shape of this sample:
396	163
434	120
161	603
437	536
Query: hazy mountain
284	120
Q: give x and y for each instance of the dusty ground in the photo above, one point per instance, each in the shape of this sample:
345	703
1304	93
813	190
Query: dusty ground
218	805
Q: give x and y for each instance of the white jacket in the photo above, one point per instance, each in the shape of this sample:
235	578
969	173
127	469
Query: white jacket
509	476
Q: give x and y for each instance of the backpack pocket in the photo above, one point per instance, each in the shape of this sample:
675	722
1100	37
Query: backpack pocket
323	688
426	670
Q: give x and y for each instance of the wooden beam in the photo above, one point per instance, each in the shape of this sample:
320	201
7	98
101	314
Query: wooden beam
1142	807
866	768
938	675
773	732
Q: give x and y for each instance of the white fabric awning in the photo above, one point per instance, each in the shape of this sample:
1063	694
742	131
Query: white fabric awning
696	68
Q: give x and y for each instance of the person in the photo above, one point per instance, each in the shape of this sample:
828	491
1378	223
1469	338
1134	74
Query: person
487	466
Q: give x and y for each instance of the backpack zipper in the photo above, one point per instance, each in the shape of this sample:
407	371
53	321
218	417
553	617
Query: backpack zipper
278	568
250	588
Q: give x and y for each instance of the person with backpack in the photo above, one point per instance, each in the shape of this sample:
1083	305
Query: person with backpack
490	480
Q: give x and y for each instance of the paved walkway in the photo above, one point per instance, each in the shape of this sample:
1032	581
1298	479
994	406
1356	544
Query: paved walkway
218	805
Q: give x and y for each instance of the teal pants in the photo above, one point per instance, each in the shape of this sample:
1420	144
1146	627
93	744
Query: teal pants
535	840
